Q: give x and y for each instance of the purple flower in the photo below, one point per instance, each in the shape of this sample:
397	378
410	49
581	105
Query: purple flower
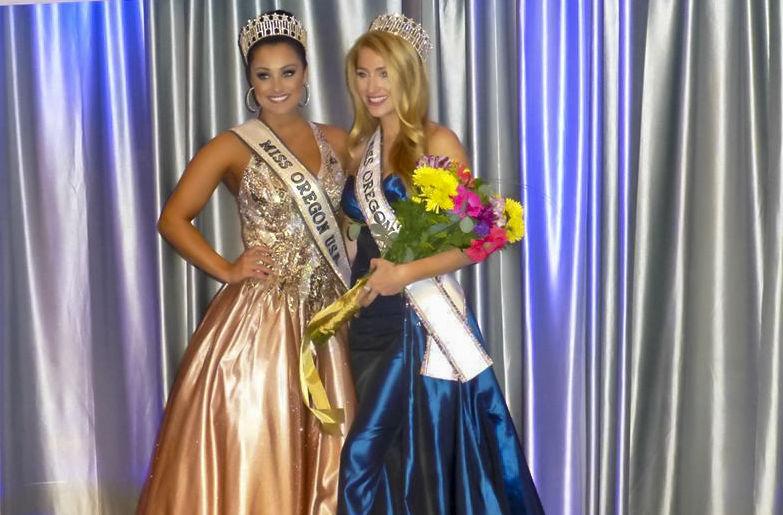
485	219
434	161
481	229
486	215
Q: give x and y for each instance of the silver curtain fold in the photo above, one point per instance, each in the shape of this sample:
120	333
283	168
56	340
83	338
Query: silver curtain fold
636	331
704	324
651	167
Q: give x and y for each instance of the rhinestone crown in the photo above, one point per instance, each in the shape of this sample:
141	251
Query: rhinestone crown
408	29
266	25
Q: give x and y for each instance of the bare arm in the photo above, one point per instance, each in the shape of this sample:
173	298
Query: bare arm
212	163
432	266
390	278
350	245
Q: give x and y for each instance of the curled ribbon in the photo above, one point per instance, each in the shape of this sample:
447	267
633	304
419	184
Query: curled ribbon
323	326
314	393
326	322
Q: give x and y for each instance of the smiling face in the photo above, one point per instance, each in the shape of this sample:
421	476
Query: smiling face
373	84
278	75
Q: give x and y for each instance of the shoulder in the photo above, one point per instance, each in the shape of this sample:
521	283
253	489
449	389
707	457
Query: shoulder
337	137
226	143
440	135
441	141
226	151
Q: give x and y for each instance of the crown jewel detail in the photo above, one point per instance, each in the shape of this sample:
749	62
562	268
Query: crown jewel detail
267	25
408	29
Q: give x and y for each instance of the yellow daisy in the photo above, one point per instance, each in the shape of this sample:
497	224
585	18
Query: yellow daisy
436	187
515	226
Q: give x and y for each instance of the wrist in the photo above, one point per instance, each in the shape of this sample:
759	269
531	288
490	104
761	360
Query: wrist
224	272
407	274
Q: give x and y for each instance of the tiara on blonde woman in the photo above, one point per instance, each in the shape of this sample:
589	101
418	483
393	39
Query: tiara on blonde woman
268	25
407	28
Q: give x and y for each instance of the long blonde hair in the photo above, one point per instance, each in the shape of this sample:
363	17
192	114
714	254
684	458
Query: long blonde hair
410	92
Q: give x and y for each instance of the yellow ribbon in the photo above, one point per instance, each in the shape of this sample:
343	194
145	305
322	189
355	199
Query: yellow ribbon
323	326
326	322
314	393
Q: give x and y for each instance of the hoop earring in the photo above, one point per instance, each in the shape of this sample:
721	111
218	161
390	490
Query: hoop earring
307	96
253	105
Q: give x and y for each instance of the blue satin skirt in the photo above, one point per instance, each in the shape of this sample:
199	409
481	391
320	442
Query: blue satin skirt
420	445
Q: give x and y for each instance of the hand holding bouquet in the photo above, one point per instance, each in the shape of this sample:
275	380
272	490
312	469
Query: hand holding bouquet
452	209
448	208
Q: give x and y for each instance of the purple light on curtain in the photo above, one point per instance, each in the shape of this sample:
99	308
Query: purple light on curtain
79	348
575	122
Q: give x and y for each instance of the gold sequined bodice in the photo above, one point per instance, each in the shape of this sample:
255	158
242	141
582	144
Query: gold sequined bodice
270	217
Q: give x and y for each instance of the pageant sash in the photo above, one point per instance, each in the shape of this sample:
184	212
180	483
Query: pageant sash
310	198
316	211
452	352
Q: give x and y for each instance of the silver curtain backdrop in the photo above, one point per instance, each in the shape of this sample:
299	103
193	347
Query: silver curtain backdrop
637	331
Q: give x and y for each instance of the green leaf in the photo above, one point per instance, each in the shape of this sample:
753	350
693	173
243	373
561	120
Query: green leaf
486	190
377	229
434	229
353	231
409	255
466	224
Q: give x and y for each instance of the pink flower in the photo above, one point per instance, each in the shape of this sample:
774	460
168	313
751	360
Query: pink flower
479	250
476	252
466	201
498	207
464	175
434	161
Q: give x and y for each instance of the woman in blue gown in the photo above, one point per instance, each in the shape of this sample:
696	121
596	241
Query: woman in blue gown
419	444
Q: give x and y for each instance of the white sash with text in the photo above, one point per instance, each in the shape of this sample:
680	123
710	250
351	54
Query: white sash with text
452	352
310	199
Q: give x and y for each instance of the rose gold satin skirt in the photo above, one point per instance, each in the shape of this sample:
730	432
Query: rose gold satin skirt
236	437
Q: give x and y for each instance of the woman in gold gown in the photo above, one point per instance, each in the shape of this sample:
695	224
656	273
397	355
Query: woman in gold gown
237	436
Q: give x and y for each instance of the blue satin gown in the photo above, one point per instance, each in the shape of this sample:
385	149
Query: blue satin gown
420	445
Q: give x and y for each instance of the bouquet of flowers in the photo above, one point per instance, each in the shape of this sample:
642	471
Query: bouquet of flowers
448	208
